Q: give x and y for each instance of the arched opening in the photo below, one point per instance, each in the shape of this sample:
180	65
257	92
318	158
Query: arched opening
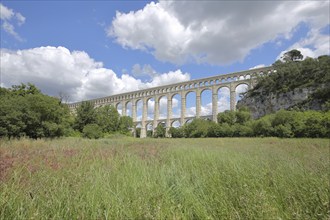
139	107
240	91
223	99
129	109
190	104
176	124
176	106
206	102
163	107
150	108
189	121
119	108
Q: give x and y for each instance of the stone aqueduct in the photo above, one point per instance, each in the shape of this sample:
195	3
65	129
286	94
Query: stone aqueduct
214	83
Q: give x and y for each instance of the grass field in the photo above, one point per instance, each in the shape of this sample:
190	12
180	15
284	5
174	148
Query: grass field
126	178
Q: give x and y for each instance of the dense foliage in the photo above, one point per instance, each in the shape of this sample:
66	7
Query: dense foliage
239	124
25	111
96	122
92	131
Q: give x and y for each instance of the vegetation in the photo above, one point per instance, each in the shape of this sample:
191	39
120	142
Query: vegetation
25	111
104	120
126	178
239	124
293	74
92	131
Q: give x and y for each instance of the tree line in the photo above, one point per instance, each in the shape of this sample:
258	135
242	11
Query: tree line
284	124
26	112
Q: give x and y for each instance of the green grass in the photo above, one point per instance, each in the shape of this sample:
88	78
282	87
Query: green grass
126	178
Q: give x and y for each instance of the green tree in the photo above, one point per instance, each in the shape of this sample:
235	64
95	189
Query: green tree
125	124
225	130
92	131
23	89
85	114
227	116
283	131
240	130
24	111
263	126
314	125
176	132
160	131
242	116
292	55
107	117
197	128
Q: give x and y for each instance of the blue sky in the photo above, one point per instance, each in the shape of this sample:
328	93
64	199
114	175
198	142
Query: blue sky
91	49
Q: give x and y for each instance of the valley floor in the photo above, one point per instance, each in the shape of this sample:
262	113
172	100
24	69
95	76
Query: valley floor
127	178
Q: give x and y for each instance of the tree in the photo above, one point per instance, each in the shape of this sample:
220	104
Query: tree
292	55
197	128
263	127
25	111
23	90
85	114
242	116
160	131
92	131
176	132
107	117
227	116
125	124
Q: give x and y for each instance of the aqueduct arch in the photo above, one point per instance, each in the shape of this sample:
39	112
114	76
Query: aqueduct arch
214	84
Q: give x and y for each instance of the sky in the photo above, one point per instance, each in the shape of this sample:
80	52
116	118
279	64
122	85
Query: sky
91	49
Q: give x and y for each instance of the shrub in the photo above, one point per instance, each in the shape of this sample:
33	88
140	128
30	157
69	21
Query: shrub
176	132
92	131
160	131
283	131
263	127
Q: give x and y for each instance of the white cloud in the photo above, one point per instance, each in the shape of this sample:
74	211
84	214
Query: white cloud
56	69
8	18
314	45
216	32
146	70
20	18
257	66
6	13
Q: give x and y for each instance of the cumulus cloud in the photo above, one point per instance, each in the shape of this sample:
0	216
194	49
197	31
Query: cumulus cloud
145	70
314	45
216	32
8	18
57	69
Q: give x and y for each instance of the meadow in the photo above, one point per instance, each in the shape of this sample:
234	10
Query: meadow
127	178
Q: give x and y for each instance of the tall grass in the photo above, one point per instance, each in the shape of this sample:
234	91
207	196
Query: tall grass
126	178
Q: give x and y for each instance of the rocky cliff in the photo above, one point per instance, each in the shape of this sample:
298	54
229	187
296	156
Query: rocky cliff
299	98
299	85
